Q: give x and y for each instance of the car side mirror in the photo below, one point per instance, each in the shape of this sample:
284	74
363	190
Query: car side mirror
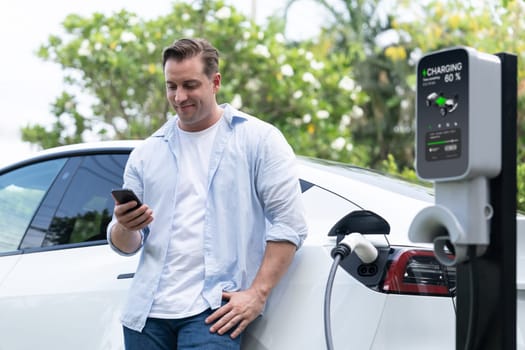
363	221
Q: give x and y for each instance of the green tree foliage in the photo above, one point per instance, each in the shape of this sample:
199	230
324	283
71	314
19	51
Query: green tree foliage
116	60
386	71
346	95
486	26
357	32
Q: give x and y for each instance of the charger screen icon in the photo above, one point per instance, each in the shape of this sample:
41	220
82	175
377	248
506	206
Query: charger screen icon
444	104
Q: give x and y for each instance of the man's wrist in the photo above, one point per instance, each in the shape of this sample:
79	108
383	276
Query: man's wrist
125	240
262	291
123	230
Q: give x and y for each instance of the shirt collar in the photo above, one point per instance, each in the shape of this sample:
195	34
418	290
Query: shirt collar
231	116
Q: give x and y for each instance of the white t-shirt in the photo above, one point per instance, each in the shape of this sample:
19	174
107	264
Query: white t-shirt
182	278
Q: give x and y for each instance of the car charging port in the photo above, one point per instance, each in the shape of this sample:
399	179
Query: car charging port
367	270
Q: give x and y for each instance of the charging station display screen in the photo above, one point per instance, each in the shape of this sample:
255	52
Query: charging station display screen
443	144
442	114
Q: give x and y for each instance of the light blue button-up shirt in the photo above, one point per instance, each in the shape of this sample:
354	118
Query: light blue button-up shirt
253	197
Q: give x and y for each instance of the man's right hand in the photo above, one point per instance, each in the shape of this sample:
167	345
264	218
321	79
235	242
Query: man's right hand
125	234
133	220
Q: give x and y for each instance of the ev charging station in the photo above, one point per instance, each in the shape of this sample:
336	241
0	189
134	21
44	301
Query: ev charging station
466	144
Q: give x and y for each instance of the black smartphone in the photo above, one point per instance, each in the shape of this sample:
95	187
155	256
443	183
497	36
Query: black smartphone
124	195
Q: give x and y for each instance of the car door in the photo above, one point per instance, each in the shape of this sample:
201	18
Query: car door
21	192
293	316
68	286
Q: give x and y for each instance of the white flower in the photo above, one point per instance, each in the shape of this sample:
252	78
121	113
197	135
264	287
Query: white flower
298	94
237	101
68	124
84	49
349	147
261	50
130	92
120	124
296	122
322	114
345	122
253	84
150	47
133	21
189	32
287	70
99	131
309	78
69	105
279	37
224	13
357	112
127	37
347	84
89	135
246	35
338	144
415	55
316	65
309	56
239	45
402	129
307	118
260	35
186	16
98	46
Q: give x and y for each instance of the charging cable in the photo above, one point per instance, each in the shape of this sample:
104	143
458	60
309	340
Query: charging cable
473	303
354	242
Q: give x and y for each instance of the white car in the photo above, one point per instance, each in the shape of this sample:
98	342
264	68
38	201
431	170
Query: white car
62	287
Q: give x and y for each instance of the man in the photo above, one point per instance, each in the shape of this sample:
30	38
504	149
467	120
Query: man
221	220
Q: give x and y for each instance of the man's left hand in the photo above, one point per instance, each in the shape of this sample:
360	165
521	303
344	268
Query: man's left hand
242	308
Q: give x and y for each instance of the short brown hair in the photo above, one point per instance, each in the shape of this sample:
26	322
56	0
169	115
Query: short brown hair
188	48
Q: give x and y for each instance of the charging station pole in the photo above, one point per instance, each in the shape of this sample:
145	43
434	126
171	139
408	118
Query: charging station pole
466	141
486	309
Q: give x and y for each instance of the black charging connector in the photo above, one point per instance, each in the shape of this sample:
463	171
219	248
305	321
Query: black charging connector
354	242
341	249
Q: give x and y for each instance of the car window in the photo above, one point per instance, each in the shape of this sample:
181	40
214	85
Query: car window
86	206
21	191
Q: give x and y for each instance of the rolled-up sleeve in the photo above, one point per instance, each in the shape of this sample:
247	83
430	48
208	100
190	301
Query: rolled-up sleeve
279	189
131	181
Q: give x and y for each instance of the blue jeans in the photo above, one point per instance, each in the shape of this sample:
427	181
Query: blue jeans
181	334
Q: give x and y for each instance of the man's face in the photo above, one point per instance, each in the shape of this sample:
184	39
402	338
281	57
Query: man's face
191	93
